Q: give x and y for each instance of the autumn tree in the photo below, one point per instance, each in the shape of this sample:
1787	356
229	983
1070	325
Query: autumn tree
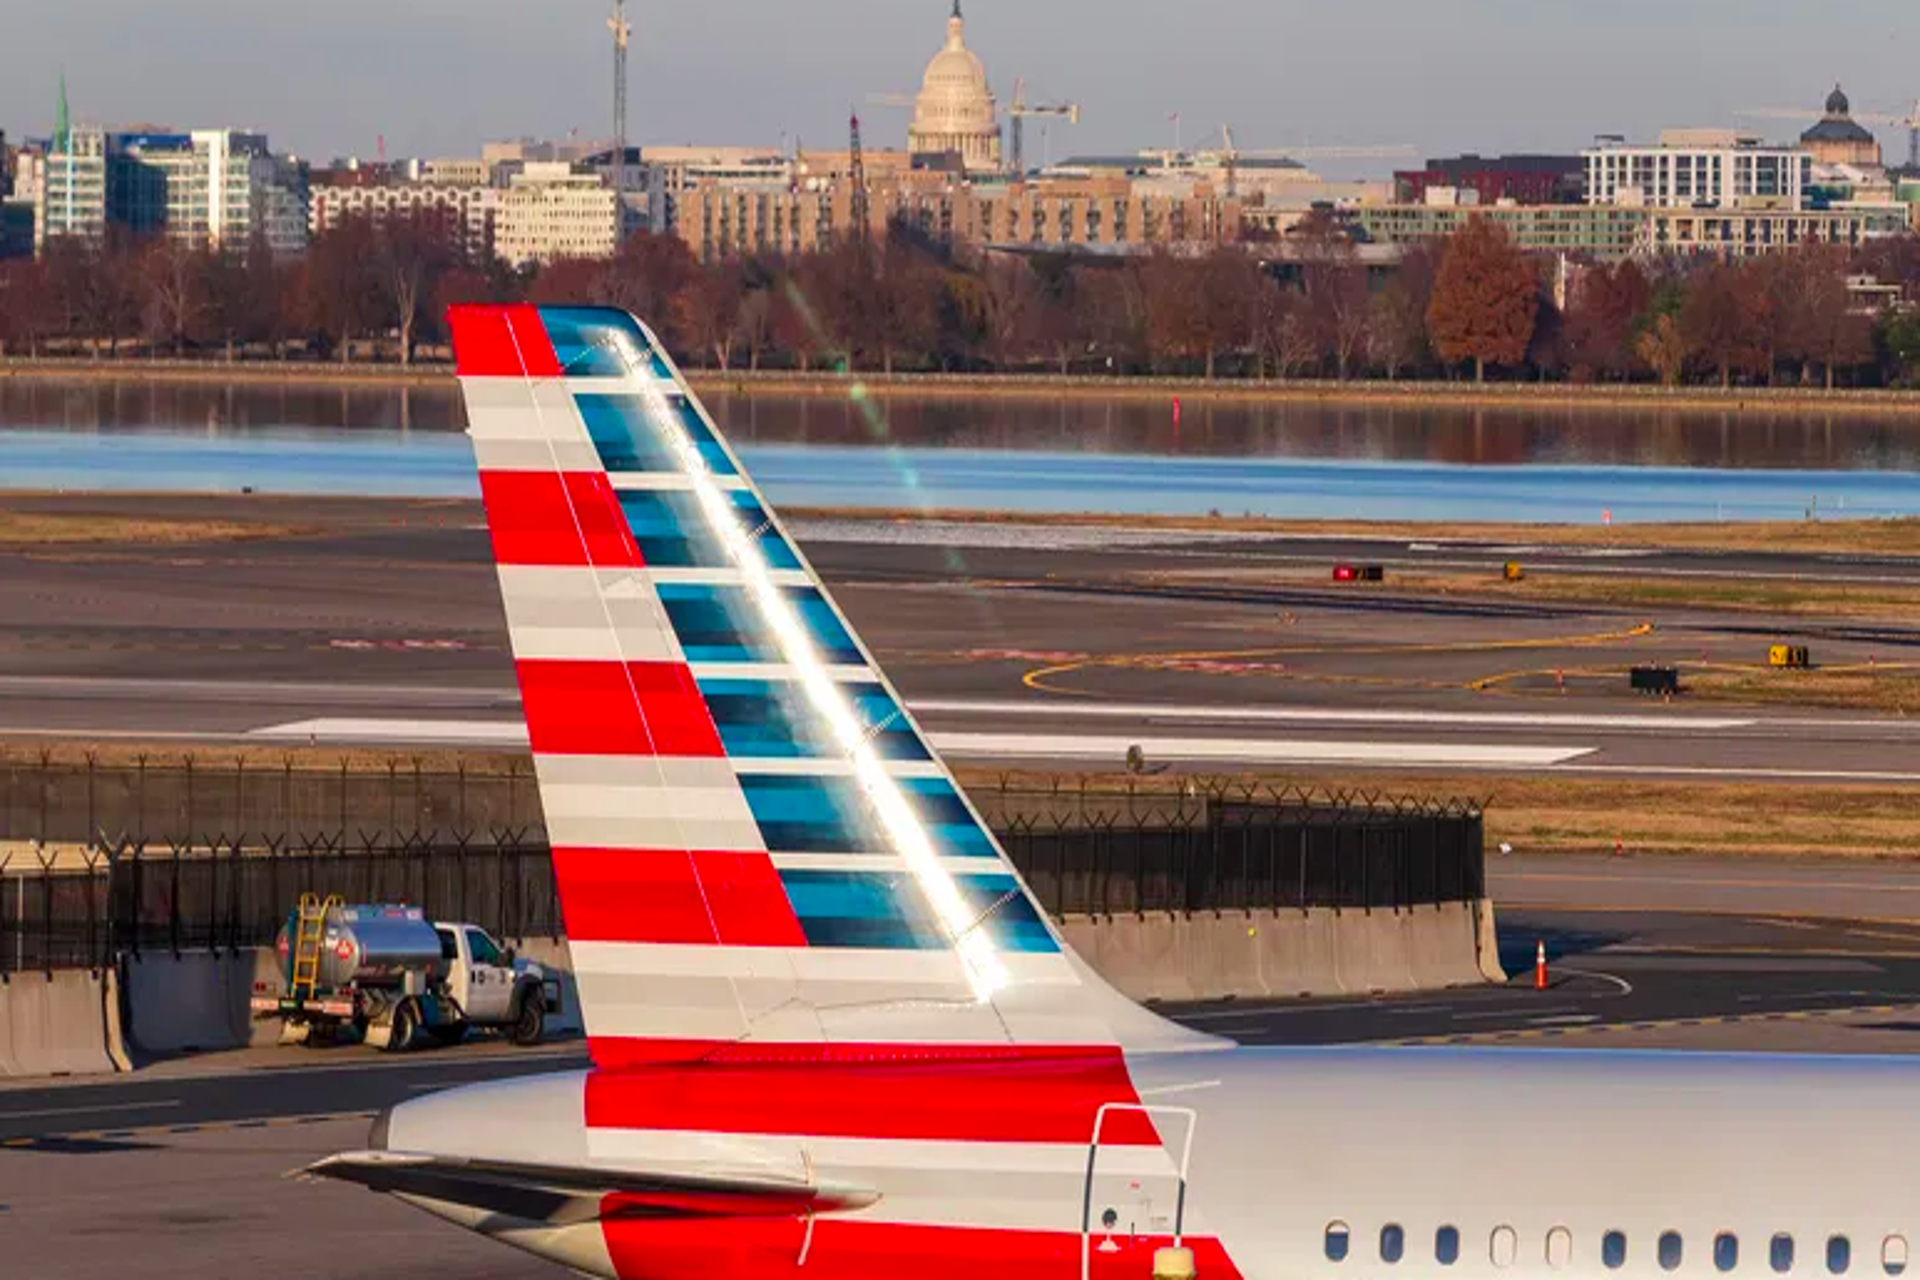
755	324
413	250
1397	319
1228	283
27	312
709	309
1603	314
1485	299
1663	348
901	307
174	276
1721	320
647	276
340	286
1338	306
1176	321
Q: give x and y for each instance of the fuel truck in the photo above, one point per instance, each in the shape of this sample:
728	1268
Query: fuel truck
389	973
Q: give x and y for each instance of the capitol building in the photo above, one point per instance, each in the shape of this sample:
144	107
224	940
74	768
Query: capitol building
955	114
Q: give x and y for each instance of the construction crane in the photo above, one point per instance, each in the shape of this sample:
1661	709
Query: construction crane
1020	109
1230	155
1910	122
860	214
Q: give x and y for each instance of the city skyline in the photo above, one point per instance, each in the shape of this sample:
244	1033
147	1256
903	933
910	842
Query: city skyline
438	79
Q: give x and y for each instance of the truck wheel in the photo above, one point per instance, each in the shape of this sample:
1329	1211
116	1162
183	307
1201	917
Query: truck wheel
449	1034
531	1018
405	1023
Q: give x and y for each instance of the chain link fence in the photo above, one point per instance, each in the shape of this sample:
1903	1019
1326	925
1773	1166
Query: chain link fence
1085	849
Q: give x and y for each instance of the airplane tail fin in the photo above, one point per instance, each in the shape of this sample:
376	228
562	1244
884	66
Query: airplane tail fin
757	850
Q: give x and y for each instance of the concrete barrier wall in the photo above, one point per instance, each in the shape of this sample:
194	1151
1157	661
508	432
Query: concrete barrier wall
1316	952
553	956
54	1024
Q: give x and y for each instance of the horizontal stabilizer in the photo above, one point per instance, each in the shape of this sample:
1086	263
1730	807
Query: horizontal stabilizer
563	1196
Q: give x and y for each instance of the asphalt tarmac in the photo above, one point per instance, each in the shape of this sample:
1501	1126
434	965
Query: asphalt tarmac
1018	644
185	1163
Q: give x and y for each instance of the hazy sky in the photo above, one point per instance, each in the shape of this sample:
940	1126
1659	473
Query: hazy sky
324	77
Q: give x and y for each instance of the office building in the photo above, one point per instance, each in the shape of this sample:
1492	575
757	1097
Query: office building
1602	232
551	210
1072	214
1522	179
466	210
1746	233
1698	169
213	187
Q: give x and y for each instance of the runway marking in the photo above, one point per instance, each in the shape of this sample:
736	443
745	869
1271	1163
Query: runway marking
332	730
1255	750
1643	877
1652	1024
1332	715
1783	775
172	1130
49	1112
1039	678
1626	988
337	729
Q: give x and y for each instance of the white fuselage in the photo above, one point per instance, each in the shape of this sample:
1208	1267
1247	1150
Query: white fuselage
1517	1163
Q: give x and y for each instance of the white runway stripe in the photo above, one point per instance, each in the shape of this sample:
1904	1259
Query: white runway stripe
1321	715
1252	750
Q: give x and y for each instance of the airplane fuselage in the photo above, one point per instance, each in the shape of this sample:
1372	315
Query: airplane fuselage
1305	1164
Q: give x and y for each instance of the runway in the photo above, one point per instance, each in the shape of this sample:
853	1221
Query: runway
379	623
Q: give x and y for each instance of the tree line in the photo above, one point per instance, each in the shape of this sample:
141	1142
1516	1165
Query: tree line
1469	306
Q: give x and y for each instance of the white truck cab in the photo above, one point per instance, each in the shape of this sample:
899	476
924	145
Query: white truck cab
390	973
488	984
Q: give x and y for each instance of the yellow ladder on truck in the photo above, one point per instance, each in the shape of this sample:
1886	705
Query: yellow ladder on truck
310	931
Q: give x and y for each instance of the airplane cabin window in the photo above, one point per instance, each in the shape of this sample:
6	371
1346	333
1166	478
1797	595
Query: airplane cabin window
1559	1247
1893	1255
1446	1246
1671	1251
1613	1250
1780	1254
1726	1251
1839	1255
1393	1243
1338	1239
1504	1246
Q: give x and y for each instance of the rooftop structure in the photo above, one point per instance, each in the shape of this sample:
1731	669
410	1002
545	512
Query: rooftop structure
1751	232
465	210
1580	230
1838	139
213	187
1698	168
550	210
955	113
1525	179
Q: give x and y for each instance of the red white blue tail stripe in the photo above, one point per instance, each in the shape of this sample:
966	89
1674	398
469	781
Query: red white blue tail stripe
787	924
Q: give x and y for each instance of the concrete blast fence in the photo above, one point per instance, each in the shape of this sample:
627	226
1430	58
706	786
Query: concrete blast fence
1313	952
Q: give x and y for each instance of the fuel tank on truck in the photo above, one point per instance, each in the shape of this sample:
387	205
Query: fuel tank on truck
373	946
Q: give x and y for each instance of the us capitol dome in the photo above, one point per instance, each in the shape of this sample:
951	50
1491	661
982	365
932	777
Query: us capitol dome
955	111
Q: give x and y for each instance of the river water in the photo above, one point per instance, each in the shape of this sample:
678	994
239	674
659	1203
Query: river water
1065	454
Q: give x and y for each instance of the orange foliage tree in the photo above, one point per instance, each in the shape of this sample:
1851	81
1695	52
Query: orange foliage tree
1485	299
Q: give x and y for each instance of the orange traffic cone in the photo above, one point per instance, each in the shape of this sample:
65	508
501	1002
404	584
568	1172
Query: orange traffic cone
1540	967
